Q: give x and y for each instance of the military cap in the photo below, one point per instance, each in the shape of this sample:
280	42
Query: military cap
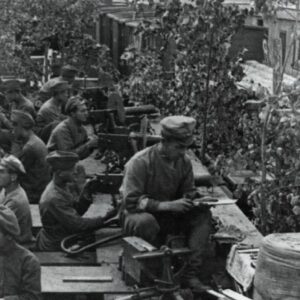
8	222
62	160
12	164
68	70
179	128
22	118
72	103
58	85
12	85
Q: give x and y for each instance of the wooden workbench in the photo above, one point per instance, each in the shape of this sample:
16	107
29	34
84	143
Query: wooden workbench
53	280
231	215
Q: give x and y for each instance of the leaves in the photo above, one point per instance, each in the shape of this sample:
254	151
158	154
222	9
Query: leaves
30	26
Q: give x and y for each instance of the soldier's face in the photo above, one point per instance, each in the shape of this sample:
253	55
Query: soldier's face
63	96
175	150
13	95
5	177
81	114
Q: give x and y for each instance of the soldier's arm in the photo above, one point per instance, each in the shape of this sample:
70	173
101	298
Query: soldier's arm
133	188
30	285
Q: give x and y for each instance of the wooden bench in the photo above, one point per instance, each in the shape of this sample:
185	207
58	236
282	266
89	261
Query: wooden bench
231	215
61	259
87	280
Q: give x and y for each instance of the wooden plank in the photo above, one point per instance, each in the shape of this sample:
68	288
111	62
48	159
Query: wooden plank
240	177
231	215
87	279
110	252
61	259
52	280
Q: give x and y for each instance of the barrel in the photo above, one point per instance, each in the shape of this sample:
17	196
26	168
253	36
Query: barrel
277	275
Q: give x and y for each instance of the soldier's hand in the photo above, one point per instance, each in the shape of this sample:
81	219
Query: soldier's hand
181	205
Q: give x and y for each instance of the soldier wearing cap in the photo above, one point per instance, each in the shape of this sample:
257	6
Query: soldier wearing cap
32	152
70	135
51	112
14	197
20	276
157	189
67	73
61	208
16	99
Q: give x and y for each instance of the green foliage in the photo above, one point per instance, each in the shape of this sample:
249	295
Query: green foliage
184	66
31	26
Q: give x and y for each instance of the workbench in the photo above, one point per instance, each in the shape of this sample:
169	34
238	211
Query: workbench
74	280
231	215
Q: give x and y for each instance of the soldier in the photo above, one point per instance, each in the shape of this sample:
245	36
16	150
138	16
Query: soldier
20	271
51	112
157	189
70	135
15	198
67	73
61	209
16	99
32	152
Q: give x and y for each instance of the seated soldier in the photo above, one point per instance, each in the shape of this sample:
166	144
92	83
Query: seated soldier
14	197
70	135
20	276
16	100
51	112
157	189
67	73
32	152
61	209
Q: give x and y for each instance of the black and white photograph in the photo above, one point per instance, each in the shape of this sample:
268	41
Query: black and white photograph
149	149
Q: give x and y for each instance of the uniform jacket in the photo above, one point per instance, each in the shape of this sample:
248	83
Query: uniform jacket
69	136
61	215
149	179
33	156
48	113
20	274
17	201
26	105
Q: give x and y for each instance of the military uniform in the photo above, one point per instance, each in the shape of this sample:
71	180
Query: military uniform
33	157
61	211
20	272
49	113
18	202
32	154
150	179
68	73
69	136
20	102
25	105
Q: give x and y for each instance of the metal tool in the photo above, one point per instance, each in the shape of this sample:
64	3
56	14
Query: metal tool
80	242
